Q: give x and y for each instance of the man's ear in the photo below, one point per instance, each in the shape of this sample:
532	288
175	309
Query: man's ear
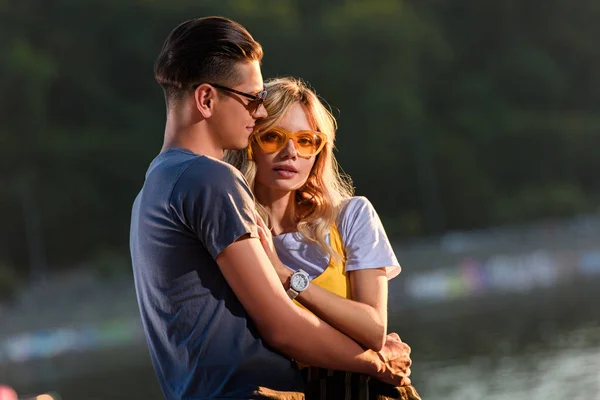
204	97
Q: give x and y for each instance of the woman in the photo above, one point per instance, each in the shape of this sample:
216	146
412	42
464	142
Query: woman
338	256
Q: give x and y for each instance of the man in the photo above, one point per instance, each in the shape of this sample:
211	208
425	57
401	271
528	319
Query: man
218	322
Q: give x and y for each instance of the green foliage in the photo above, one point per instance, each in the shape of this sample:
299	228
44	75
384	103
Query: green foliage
452	115
9	282
110	264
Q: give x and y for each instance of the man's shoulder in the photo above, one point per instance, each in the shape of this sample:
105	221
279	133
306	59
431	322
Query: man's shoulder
213	168
208	170
185	167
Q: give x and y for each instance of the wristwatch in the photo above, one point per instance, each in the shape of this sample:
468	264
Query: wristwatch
298	283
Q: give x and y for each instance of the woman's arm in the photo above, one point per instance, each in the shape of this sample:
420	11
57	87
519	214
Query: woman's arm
364	318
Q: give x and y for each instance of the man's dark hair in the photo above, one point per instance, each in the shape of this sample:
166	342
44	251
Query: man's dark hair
203	50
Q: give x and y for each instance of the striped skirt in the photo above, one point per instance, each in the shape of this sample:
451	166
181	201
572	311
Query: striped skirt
324	384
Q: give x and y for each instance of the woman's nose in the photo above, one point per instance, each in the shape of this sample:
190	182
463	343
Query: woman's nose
289	150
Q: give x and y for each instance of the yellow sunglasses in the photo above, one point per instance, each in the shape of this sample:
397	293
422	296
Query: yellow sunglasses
307	143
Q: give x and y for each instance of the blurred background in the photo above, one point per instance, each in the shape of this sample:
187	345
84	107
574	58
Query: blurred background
472	126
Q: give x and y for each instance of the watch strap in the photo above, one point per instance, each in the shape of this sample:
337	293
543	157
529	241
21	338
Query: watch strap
292	293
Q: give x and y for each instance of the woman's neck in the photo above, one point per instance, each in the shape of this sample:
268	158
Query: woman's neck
281	207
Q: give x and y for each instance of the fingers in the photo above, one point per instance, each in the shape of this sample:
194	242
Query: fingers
261	232
400	370
397	355
261	224
403	363
405	381
259	220
394	349
394	336
403	346
402	380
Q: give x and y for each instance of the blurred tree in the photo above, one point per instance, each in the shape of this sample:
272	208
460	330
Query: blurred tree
452	115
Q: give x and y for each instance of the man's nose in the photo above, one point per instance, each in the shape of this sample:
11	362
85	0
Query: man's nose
261	112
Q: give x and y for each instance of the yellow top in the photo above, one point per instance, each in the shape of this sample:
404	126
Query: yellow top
334	277
335	280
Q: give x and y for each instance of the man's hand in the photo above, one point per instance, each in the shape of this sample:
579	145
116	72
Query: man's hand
266	240
396	357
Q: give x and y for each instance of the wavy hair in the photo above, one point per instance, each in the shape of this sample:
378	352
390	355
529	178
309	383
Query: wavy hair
326	186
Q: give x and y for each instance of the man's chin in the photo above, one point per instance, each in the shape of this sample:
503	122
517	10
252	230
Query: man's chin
243	144
237	146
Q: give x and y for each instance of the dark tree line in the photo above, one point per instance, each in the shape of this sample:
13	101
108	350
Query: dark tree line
452	115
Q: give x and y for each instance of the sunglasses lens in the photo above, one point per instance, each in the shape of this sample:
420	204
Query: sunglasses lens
307	144
272	141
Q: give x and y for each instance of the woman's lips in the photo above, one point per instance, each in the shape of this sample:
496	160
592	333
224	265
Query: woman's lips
285	171
286	167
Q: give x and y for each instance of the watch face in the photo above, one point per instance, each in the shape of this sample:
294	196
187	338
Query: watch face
299	282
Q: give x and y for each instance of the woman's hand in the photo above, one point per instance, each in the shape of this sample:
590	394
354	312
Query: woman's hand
266	240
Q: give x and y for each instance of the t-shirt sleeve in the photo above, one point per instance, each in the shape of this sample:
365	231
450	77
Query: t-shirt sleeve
215	202
365	241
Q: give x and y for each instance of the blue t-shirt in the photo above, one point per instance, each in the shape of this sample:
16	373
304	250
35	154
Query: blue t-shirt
202	342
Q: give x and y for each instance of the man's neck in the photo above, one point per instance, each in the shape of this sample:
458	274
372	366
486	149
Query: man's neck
195	144
184	132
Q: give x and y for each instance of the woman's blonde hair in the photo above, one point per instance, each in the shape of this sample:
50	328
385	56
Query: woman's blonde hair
325	187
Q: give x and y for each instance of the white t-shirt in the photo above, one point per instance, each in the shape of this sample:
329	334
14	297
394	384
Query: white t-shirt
365	243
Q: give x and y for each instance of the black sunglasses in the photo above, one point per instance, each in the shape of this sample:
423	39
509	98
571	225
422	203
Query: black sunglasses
258	98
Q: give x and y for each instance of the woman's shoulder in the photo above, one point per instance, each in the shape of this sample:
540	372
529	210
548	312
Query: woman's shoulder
353	207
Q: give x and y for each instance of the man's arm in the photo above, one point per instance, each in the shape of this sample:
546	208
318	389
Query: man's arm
296	332
364	316
214	200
